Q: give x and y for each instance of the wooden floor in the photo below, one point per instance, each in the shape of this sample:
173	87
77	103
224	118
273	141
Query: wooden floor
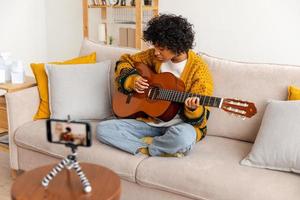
5	179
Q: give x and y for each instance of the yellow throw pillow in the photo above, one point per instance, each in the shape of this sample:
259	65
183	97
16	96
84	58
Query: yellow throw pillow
41	77
293	93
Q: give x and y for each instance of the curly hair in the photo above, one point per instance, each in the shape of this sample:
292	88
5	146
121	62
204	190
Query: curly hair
170	31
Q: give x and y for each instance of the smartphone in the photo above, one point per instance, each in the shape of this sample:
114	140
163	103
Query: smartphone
69	132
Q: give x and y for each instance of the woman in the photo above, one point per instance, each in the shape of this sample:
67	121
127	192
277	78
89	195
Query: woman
172	38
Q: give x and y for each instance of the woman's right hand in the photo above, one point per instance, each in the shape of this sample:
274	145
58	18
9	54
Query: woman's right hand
140	84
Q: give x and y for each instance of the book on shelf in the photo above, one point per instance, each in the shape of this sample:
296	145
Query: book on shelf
127	37
96	2
123	37
131	37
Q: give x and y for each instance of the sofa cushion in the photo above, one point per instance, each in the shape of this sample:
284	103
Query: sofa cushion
40	75
277	145
293	93
32	136
247	81
212	171
80	91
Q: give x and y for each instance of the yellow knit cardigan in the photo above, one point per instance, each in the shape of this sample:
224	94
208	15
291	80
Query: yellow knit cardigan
195	75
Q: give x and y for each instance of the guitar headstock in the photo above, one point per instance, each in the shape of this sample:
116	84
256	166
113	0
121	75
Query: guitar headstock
239	107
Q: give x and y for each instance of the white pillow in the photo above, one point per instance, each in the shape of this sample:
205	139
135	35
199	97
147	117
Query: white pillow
81	91
277	145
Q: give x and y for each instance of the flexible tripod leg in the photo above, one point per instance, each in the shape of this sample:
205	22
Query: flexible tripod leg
54	171
70	163
84	181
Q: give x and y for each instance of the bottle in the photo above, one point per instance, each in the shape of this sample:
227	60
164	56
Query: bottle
6	64
17	73
2	70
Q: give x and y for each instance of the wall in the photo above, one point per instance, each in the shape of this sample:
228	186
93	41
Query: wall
248	30
256	31
64	28
23	30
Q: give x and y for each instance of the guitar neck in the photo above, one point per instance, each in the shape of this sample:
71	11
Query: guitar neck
180	97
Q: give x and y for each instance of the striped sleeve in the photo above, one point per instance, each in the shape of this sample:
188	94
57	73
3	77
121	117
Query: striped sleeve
125	69
202	84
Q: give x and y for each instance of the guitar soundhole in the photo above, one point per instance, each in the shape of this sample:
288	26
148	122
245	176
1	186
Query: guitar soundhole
153	93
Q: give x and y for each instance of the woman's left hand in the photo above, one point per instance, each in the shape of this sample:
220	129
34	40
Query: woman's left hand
192	103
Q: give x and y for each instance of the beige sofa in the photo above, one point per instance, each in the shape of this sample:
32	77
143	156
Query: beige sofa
211	170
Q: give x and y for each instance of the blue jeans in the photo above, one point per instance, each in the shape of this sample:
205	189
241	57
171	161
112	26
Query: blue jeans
127	134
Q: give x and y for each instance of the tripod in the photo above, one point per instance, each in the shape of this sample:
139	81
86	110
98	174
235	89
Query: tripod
70	162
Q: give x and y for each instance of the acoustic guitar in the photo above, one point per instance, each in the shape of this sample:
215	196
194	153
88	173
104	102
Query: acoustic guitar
164	97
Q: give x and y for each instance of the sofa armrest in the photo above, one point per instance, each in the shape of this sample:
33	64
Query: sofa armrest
21	107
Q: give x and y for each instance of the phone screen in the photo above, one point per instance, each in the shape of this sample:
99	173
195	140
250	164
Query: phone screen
61	131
